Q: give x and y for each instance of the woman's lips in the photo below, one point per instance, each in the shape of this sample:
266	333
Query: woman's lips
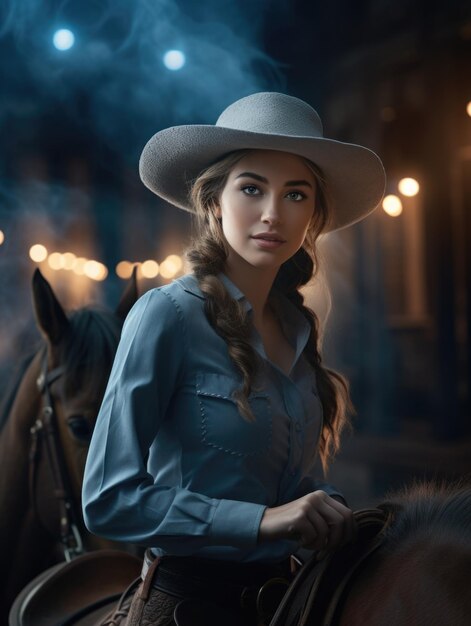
268	242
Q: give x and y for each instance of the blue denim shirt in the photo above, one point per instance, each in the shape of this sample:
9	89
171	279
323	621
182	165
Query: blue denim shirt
172	463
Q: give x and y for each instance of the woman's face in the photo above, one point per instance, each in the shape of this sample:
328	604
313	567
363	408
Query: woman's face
266	207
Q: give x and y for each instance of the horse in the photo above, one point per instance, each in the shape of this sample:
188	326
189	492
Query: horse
47	424
409	566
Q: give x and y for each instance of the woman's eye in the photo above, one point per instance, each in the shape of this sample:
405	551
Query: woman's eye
296	195
250	190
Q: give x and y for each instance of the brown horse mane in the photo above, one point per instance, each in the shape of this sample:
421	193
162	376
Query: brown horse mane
437	510
89	348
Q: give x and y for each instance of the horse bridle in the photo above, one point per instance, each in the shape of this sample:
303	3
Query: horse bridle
45	430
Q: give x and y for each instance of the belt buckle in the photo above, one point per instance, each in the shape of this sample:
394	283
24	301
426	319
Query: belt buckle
269	597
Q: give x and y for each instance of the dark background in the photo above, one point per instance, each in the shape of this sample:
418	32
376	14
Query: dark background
394	76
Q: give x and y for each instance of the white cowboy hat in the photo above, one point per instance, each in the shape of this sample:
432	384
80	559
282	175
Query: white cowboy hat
175	156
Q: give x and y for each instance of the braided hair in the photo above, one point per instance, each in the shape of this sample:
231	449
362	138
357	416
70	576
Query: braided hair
207	257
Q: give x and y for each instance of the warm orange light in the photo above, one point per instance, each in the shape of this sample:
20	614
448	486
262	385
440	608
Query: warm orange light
124	269
392	205
2	237
79	265
95	270
171	266
92	269
176	262
408	187
150	269
56	261
69	260
102	272
468	109
37	253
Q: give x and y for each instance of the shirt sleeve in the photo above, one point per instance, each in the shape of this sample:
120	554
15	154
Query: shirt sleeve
120	500
309	484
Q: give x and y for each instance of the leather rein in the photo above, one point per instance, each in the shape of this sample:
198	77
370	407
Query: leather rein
45	434
318	593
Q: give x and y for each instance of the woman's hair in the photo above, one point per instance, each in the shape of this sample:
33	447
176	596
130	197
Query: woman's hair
207	256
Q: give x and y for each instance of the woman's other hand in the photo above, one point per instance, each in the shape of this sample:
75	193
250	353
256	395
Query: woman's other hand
316	521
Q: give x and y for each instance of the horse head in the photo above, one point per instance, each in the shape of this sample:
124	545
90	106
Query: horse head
78	351
56	399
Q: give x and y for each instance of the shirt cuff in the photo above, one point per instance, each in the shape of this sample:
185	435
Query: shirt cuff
237	523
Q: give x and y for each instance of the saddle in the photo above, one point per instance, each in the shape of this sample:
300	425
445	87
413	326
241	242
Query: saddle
317	594
76	593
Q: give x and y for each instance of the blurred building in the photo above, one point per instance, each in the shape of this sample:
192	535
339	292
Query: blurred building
399	80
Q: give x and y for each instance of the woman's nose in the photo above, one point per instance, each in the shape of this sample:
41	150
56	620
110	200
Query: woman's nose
271	212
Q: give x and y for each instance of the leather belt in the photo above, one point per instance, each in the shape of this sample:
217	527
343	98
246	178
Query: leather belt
251	587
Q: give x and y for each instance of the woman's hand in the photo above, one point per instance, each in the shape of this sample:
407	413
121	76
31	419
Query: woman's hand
317	521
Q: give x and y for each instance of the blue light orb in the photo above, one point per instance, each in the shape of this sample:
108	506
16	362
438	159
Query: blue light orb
63	39
174	60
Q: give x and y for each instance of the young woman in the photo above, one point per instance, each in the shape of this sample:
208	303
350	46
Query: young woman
218	401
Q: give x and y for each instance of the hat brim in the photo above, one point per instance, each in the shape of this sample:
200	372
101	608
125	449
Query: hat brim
175	156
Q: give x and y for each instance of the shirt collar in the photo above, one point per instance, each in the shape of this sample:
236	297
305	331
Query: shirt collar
295	326
234	291
190	284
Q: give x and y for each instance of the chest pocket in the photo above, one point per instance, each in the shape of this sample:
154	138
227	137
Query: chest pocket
222	425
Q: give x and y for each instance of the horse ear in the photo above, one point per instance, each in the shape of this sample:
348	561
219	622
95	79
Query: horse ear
129	296
50	316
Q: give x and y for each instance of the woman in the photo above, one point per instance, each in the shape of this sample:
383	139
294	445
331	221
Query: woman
218	400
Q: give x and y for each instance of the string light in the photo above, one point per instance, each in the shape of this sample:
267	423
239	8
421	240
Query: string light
392	205
150	269
95	270
124	269
171	266
69	260
79	266
408	187
38	253
55	261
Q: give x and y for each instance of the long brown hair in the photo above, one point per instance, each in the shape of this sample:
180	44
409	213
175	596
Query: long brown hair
207	256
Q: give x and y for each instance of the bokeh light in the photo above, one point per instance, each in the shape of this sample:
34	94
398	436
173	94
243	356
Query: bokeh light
392	205
56	261
150	269
95	270
69	260
171	266
408	187
174	60
79	266
176	262
468	109
38	253
63	39
124	269
2	237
